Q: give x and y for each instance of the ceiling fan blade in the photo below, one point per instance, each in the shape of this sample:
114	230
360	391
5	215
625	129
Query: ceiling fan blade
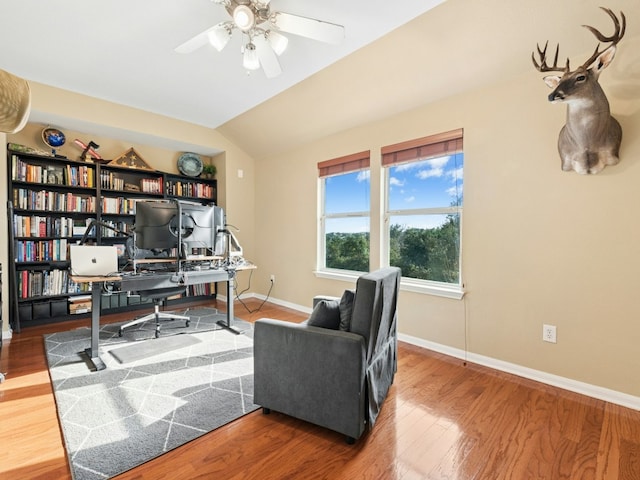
268	58
191	45
309	27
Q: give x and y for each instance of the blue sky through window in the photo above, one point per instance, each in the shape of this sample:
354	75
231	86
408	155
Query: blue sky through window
349	192
432	183
436	182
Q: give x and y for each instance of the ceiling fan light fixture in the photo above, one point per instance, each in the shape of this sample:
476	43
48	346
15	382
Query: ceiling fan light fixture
219	37
277	41
264	33
244	18
250	59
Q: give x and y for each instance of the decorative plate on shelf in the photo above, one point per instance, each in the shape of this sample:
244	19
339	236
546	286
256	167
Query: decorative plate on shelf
190	164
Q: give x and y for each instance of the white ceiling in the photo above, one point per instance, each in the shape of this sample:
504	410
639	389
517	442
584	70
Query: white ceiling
123	51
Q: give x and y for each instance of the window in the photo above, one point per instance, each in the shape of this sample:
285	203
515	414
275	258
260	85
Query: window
424	207
344	213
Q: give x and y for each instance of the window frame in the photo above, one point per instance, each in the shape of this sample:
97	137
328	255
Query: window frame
348	164
435	146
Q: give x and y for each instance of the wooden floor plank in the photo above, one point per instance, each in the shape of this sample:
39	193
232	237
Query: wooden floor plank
441	420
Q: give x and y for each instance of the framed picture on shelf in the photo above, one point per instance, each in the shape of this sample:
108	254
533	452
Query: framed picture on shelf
130	159
55	176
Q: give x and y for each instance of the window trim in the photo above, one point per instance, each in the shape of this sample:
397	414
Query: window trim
432	146
345	164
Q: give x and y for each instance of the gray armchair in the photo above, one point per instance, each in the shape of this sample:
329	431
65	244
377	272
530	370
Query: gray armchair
336	375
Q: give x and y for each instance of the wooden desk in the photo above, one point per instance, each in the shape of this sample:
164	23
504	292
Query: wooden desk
149	281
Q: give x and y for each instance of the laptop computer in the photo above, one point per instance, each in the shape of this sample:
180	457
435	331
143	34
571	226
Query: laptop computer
93	260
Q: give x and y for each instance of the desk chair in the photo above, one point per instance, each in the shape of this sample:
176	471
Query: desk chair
158	296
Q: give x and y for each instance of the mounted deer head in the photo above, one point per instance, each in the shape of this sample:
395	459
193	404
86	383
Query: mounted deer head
590	139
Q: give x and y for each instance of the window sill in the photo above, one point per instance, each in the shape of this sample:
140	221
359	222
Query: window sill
342	275
408	285
439	290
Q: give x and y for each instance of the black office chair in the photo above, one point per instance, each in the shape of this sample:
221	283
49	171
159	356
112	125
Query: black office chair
158	296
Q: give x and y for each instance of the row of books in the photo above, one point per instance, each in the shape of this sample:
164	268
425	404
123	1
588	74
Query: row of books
120	205
201	289
114	181
70	175
41	226
44	200
115	227
151	185
58	282
190	189
54	250
45	283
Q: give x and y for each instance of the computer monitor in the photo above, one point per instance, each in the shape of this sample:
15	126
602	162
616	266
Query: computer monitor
199	227
152	225
164	225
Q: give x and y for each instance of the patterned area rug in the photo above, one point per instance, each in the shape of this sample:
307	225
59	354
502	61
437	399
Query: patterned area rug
129	413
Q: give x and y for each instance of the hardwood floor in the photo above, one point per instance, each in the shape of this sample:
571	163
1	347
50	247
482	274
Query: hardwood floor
441	420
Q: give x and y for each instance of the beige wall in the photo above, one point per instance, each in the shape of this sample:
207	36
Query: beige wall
159	140
539	245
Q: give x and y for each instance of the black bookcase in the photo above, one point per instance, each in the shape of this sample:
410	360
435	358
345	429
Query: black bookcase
51	201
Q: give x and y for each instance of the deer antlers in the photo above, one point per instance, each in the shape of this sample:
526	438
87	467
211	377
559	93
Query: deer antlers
620	28
543	67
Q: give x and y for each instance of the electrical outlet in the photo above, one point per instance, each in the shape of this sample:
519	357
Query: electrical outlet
549	333
273	278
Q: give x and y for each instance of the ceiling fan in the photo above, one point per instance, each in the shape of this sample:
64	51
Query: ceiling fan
260	26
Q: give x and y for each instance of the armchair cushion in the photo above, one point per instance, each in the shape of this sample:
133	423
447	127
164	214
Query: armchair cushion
325	314
346	309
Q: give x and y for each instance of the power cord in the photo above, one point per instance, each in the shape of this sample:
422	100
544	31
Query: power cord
235	289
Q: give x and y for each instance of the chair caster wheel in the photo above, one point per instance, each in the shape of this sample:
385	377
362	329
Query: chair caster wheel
120	332
266	411
350	440
187	323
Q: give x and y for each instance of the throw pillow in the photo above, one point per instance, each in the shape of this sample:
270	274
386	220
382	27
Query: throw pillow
346	309
326	314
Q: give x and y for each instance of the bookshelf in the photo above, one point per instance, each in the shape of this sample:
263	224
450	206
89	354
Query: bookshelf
51	202
177	186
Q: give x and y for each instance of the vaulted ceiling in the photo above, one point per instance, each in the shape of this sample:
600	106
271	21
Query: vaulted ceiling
395	56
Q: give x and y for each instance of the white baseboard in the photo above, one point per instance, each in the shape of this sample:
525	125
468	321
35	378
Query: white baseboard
587	389
282	303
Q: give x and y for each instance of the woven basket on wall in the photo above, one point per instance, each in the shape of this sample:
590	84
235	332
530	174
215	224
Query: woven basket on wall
15	102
